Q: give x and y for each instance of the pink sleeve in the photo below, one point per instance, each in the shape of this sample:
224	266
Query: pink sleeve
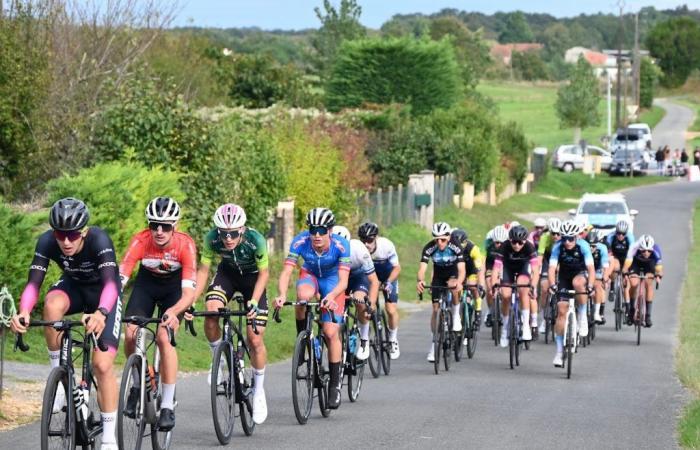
109	295
29	297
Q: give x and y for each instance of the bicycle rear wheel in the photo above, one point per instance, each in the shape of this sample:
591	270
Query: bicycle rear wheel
457	345
323	371
375	347
438	341
245	405
302	377
356	372
512	338
130	430
496	320
569	346
449	339
222	395
472	336
639	321
58	429
386	346
619	296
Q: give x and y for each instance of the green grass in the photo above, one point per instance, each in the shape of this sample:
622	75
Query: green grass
652	116
688	352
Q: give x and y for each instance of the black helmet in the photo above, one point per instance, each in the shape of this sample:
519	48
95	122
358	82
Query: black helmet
593	236
68	214
518	233
460	236
368	230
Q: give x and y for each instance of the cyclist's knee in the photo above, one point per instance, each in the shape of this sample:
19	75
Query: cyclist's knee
103	364
256	342
55	305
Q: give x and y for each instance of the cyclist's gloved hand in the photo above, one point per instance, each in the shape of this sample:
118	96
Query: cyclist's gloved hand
388	288
253	309
279	302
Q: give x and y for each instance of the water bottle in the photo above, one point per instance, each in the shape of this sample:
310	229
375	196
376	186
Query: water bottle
317	347
241	366
352	341
85	394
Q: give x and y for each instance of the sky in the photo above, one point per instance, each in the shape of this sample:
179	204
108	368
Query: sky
299	14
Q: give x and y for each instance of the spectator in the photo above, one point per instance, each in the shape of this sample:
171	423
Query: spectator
667	160
659	157
684	157
696	156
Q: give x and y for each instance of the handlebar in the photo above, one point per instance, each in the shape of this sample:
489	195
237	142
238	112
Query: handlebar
221	312
278	319
141	321
58	325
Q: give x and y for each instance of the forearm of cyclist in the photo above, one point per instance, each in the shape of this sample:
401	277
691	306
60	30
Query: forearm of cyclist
260	284
202	277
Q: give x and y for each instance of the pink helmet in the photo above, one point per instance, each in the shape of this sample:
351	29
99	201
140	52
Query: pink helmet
229	216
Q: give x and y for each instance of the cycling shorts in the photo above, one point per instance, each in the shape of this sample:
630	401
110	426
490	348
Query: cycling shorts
566	279
508	275
438	281
394	296
228	281
638	267
358	282
85	298
322	287
150	291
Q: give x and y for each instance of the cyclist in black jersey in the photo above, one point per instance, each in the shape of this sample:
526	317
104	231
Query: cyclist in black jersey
618	244
494	240
89	285
448	270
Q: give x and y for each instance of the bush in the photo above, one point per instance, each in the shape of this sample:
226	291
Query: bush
421	73
514	149
529	66
117	193
16	249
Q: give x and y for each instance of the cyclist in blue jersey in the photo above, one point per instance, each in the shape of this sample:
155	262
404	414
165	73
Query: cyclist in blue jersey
572	256
324	272
602	273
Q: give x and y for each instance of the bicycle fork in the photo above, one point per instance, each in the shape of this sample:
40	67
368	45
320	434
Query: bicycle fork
147	381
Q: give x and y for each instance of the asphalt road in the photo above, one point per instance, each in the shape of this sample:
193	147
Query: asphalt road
620	395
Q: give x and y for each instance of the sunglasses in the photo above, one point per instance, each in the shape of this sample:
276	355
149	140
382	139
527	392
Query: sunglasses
442	239
556	234
368	240
621	234
70	235
322	231
166	227
517	242
228	234
569	238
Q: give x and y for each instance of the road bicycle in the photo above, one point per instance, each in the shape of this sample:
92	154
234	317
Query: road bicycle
617	294
353	368
379	344
77	422
571	332
142	379
310	367
468	336
232	383
443	336
515	325
640	304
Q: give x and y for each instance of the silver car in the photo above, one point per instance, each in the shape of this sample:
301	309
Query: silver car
570	157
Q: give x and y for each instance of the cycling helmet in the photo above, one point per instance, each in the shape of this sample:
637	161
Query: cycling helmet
646	242
554	225
593	236
320	217
68	214
622	227
540	222
229	216
441	229
368	230
163	209
500	234
518	233
342	232
460	236
570	228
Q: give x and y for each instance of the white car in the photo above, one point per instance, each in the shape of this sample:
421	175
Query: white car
569	157
646	132
603	211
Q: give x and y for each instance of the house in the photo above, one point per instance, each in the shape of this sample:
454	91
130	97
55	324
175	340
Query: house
504	52
594	58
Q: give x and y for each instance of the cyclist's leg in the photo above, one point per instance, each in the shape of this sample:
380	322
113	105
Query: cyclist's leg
142	302
246	284
435	295
634	284
61	299
392	311
649	288
307	288
220	290
565	282
489	299
525	302
579	282
170	293
543	294
331	331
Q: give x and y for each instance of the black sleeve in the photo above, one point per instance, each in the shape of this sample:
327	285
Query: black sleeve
106	257
427	252
45	248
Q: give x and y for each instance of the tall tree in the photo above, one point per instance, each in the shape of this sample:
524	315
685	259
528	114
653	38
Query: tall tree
337	25
676	44
470	49
649	75
578	100
515	29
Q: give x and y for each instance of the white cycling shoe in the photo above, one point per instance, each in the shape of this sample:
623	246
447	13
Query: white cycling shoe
219	375
362	352
259	406
456	323
109	446
431	353
527	333
583	327
504	338
559	360
542	328
394	352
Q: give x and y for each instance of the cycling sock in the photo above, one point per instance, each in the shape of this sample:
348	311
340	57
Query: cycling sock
54	358
392	334
525	316
109	422
649	308
168	400
596	308
455	311
301	325
335	373
213	345
560	343
602	309
258	378
581	310
533	319
364	331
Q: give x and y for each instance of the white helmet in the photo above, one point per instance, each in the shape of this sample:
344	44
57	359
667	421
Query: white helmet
540	222
622	227
646	242
163	209
514	223
229	216
342	232
500	234
570	228
441	229
320	217
554	225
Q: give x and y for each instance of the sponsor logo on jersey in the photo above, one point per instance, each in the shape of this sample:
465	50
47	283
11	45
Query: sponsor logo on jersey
37	267
107	264
105	250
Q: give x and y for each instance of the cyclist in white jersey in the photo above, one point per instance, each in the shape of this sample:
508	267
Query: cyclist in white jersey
386	265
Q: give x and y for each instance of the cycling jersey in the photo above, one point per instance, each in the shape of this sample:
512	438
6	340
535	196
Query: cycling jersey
637	262
249	256
472	256
360	259
444	261
515	261
535	236
572	260
384	258
619	248
600	256
179	257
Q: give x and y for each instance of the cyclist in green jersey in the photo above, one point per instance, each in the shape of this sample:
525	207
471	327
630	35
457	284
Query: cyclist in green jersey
243	268
544	251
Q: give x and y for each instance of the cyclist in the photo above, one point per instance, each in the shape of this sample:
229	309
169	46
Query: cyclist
644	257
386	264
537	231
90	285
544	251
362	283
576	271
242	267
602	273
494	240
474	272
516	257
448	270
618	244
166	278
324	272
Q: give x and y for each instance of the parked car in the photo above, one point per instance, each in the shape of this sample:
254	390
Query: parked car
603	211
628	139
625	160
646	132
570	157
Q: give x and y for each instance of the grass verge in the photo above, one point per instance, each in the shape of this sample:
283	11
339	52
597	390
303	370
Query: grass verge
688	352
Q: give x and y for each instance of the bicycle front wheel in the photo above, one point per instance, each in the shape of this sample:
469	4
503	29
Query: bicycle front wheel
386	346
356	371
496	320
223	401
438	341
302	377
324	376
130	427
449	339
570	336
375	347
512	337
58	429
472	336
245	403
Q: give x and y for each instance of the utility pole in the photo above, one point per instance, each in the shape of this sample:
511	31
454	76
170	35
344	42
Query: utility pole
620	35
636	63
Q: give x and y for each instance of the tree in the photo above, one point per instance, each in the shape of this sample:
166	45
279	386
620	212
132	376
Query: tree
337	26
577	101
556	40
529	66
676	44
471	51
515	29
649	75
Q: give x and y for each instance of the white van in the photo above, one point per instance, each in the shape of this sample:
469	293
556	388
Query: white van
646	132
